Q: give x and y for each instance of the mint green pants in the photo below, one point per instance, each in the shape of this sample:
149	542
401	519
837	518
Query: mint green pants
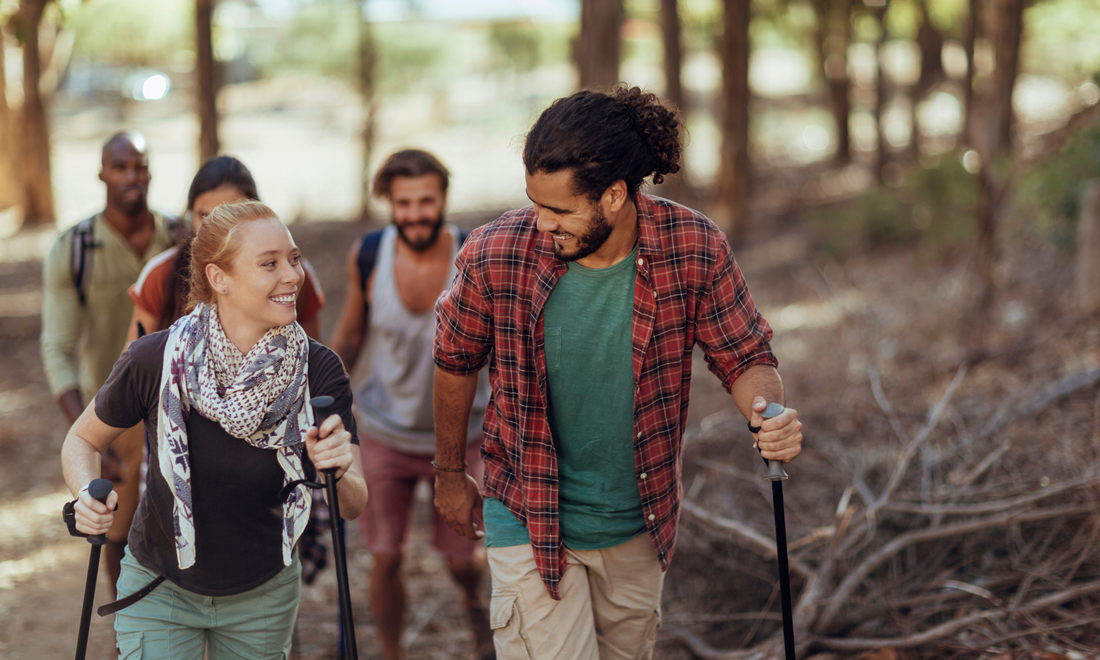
174	624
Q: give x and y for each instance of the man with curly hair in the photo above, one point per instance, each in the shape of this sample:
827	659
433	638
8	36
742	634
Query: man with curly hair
586	306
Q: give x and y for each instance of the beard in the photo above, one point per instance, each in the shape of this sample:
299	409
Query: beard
593	238
423	244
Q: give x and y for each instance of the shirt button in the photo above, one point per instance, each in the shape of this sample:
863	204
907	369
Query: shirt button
641	262
652	517
643	476
654	293
639	434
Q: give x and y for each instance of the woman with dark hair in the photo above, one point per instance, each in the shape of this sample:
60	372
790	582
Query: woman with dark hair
211	564
161	292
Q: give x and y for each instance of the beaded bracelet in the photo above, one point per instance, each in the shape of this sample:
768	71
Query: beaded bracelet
447	469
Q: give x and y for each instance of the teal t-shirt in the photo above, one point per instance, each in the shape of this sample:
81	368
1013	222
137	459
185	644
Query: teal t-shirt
587	328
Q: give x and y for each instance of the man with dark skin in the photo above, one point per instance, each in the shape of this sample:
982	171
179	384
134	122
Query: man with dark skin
81	340
391	308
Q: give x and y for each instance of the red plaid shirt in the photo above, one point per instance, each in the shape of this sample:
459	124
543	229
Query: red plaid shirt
688	291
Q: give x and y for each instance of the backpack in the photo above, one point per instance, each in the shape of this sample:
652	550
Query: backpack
368	253
80	255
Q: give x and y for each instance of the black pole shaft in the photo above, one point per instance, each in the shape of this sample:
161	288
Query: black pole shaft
89	597
321	407
99	489
343	590
784	570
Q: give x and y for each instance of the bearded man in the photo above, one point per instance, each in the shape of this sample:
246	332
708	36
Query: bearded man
394	278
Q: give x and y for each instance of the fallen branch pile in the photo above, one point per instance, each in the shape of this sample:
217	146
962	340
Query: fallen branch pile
954	542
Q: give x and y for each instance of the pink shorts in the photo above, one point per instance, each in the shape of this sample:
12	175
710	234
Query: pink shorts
391	477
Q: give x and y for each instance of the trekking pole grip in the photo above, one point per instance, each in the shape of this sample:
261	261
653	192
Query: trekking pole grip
775	468
322	407
99	489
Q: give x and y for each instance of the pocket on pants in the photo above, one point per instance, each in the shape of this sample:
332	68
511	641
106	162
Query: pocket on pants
504	619
129	646
651	634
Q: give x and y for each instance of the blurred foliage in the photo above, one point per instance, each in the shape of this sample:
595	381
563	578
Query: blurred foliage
933	210
134	32
1061	37
1050	195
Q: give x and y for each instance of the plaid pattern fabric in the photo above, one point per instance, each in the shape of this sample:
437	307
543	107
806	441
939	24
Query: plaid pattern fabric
688	291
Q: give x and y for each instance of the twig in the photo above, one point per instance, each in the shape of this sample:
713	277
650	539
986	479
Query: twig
992	507
752	538
844	591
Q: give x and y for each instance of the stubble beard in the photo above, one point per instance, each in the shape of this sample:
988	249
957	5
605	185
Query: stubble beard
593	238
424	245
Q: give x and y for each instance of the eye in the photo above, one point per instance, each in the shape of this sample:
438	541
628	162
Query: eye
296	259
268	264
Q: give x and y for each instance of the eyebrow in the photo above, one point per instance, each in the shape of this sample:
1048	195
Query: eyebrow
276	252
555	210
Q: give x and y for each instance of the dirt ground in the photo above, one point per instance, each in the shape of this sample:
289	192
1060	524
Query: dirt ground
893	310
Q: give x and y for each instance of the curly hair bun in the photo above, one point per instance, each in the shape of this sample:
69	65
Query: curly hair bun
659	125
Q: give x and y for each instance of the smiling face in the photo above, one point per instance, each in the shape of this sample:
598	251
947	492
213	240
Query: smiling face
418	209
263	281
209	200
578	225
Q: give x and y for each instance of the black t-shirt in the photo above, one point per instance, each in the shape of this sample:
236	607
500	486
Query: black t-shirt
235	486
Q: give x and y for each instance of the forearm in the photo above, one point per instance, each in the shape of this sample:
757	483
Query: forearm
72	404
453	398
758	380
352	491
80	462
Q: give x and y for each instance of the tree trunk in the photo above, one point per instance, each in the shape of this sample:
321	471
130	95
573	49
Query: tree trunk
882	153
1008	29
599	46
833	34
1088	249
366	70
37	183
676	187
729	210
930	42
207	79
968	84
11	181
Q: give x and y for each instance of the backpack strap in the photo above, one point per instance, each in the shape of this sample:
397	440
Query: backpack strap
463	234
80	259
368	255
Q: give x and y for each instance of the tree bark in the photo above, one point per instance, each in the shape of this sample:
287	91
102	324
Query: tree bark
1088	249
882	153
366	70
968	84
930	42
833	34
730	204
37	182
676	186
207	80
11	181
1008	31
599	47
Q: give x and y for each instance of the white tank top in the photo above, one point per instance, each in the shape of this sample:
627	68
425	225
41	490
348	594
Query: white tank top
395	402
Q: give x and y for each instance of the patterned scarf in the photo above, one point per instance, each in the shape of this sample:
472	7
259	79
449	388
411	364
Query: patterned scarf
259	398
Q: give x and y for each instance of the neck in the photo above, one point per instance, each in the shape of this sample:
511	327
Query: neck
243	332
127	223
620	243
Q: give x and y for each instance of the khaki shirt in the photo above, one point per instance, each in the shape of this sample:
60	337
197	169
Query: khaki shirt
80	343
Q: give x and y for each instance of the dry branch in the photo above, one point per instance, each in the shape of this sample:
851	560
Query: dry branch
753	539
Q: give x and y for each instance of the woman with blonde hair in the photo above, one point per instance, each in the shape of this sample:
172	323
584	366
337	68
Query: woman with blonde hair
223	393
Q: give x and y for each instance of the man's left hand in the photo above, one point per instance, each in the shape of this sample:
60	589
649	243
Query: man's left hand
780	438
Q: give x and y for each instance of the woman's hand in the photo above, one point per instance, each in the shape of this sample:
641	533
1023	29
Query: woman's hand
92	516
329	446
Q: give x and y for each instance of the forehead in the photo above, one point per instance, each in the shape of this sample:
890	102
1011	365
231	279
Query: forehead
124	150
551	188
425	185
257	236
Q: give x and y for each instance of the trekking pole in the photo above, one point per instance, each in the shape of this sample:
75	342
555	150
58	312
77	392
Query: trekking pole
99	489
777	476
321	406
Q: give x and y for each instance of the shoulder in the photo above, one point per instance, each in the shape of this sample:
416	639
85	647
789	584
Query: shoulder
324	363
514	231
157	269
149	349
682	231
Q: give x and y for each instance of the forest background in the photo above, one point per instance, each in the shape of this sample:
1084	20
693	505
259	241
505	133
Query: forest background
912	187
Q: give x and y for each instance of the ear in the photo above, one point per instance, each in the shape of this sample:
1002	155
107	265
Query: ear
615	197
216	277
101	175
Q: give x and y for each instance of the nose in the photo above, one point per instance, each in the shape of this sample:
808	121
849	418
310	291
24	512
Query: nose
293	274
546	222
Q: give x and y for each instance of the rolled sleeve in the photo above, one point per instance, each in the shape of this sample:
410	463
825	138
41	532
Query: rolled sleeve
464	318
62	319
730	330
